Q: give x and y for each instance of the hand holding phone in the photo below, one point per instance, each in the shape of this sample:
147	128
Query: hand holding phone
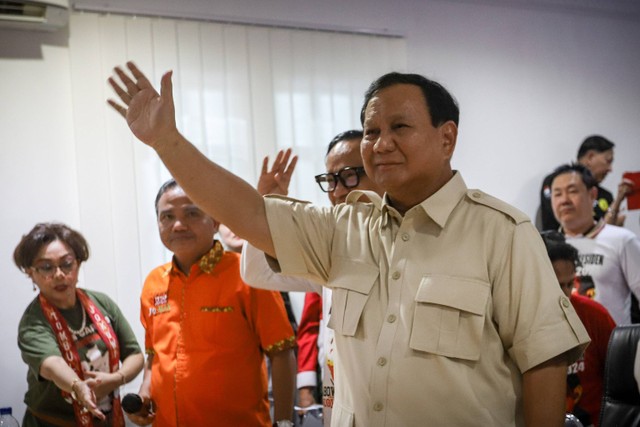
633	197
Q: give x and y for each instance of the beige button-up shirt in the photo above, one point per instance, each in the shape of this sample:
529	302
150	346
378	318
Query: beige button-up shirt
436	314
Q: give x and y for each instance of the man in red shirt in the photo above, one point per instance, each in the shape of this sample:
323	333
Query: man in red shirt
585	377
207	332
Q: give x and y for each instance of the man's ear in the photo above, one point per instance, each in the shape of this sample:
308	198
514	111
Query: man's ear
593	193
216	225
449	135
588	157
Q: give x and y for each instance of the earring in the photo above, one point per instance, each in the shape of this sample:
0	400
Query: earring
34	287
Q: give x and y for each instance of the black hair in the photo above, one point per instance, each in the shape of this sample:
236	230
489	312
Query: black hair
558	249
170	184
440	103
586	175
44	233
344	136
596	143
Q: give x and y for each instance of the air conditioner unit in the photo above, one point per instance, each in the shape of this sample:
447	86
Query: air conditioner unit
40	15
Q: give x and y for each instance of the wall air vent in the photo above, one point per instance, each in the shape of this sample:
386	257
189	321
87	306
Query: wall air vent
40	15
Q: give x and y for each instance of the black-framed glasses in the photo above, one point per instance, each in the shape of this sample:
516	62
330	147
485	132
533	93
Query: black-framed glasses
48	270
349	177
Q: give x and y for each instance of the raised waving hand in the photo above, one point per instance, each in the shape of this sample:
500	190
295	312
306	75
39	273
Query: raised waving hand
276	180
150	116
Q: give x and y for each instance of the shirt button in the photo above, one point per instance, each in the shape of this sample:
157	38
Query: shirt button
391	318
476	194
395	275
565	302
377	406
382	361
405	236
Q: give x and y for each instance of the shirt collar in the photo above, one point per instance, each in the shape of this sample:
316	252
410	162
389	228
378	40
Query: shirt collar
439	205
207	262
590	233
373	197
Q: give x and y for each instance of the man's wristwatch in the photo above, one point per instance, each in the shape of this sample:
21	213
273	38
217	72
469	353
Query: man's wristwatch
283	423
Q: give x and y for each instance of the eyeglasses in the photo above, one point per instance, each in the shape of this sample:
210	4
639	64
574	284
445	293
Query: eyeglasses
49	270
349	177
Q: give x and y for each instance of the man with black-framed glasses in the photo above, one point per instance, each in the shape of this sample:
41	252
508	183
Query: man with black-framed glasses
345	171
348	176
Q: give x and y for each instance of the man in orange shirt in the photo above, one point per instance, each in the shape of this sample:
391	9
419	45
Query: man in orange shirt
207	332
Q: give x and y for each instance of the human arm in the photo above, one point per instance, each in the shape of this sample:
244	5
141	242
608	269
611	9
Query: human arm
544	390
109	381
145	417
129	349
41	352
55	369
254	268
613	216
151	118
283	371
537	323
307	340
268	317
257	273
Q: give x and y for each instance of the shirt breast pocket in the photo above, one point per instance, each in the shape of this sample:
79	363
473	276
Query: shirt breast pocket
449	316
351	283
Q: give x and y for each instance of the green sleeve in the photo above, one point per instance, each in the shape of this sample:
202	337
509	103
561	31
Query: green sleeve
36	339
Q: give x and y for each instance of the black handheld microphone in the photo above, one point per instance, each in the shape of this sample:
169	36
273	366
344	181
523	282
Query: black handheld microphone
132	403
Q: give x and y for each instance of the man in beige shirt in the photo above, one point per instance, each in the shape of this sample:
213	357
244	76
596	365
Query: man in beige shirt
445	306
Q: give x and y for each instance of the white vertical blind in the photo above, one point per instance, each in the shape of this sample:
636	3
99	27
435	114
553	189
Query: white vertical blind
241	92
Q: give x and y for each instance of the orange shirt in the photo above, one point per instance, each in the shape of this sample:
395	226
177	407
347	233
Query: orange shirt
209	332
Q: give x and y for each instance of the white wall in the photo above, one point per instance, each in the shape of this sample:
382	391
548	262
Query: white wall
532	83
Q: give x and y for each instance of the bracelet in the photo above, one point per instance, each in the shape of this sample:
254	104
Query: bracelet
124	380
74	396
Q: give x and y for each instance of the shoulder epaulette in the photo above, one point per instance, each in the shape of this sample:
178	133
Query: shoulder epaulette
497	204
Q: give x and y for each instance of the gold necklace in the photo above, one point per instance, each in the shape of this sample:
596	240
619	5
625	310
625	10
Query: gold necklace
84	323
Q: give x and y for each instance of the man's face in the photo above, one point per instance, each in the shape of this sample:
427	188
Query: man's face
565	272
598	163
347	154
402	151
184	229
572	202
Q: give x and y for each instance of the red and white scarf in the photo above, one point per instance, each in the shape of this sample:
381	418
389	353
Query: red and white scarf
70	352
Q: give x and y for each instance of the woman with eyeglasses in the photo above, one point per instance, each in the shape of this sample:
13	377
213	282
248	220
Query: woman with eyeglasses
77	344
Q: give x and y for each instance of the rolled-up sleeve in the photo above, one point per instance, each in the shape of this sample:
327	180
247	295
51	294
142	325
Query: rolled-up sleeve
537	321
